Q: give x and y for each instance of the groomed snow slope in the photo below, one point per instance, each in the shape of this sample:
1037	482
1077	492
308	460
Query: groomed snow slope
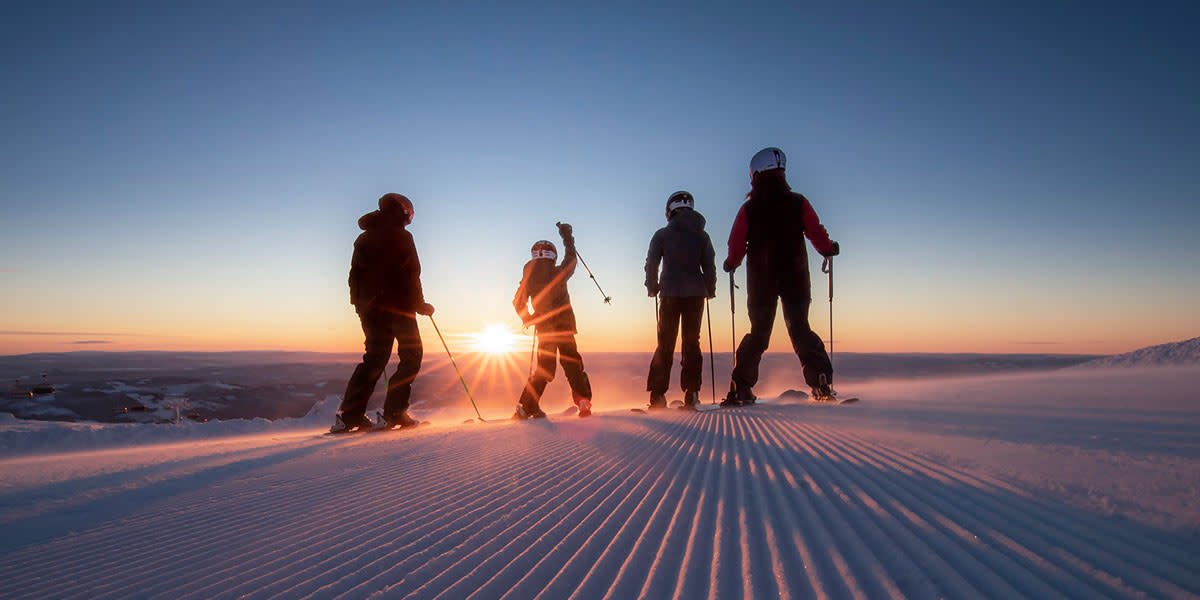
785	500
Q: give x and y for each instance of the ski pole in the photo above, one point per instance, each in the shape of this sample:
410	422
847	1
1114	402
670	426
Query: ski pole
732	322
712	366
532	351
732	333
460	377
827	268
607	298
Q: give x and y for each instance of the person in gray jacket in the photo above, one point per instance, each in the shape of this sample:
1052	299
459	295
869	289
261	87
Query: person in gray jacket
689	275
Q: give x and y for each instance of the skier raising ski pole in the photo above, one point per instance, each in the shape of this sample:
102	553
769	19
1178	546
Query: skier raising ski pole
385	289
689	278
767	233
544	286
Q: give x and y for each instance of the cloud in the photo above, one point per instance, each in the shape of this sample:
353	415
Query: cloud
92	342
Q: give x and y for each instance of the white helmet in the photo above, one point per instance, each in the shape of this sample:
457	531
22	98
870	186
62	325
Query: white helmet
543	249
680	199
768	159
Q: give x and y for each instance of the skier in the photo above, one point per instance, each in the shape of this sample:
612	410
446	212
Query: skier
544	285
767	231
385	289
689	275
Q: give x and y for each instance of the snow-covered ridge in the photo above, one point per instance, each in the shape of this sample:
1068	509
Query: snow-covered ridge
1186	352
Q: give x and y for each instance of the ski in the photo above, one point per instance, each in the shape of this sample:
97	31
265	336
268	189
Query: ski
360	430
803	396
851	400
389	429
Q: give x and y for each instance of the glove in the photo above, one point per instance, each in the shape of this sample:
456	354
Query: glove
425	309
652	290
729	266
836	250
712	293
564	230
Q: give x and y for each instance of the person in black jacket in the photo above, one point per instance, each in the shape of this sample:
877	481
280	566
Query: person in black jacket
385	289
544	285
769	232
689	275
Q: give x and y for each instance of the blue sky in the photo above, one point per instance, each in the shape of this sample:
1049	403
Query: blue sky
1000	178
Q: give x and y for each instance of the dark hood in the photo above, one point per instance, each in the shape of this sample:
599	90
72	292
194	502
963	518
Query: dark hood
686	219
378	219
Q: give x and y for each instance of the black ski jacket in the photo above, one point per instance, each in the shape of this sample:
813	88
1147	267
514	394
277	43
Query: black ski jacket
385	272
686	253
545	286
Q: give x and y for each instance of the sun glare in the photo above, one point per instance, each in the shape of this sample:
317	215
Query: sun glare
494	339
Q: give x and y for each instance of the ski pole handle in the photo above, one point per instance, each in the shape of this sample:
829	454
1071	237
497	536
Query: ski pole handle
827	268
731	286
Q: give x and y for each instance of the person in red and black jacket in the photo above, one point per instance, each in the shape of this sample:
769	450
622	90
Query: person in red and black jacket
769	232
385	289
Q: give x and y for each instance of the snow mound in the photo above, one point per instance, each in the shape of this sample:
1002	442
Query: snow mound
1186	352
22	437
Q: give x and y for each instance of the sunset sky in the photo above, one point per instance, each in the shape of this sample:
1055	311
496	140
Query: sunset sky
1019	178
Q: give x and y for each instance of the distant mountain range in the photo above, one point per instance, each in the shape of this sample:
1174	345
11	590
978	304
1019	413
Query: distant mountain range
1186	352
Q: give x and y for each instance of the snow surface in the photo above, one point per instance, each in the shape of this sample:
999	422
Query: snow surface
1065	484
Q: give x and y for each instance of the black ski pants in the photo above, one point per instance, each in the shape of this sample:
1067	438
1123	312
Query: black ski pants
560	346
673	311
764	290
381	328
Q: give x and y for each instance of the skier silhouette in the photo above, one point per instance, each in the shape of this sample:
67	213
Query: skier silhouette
544	285
689	275
385	289
769	232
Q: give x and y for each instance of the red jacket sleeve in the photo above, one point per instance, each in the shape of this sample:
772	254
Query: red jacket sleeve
737	238
814	230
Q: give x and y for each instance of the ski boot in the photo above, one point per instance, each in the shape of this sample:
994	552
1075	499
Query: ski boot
657	401
525	413
739	395
746	397
398	420
350	424
585	406
690	401
823	392
731	399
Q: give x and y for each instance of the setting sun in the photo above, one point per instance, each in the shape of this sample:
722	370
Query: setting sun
494	339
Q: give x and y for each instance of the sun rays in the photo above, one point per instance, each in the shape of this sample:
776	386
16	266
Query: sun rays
494	361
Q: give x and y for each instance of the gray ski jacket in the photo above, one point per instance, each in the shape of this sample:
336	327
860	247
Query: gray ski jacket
687	256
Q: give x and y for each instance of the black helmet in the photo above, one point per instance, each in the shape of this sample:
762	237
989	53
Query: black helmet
544	249
391	203
678	200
